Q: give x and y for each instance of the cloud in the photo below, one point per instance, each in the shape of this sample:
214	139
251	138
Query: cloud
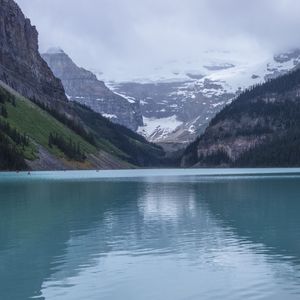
131	37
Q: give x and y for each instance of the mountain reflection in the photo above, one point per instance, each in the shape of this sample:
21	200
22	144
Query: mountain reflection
52	232
260	211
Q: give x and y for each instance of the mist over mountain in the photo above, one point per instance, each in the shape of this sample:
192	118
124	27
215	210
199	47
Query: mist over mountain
130	40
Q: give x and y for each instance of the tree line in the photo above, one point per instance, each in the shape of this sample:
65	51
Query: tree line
11	158
71	149
18	138
70	123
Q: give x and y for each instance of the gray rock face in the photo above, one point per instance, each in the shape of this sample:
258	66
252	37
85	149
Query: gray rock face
176	112
83	86
21	65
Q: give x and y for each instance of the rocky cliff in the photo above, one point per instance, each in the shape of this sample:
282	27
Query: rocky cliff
21	65
83	86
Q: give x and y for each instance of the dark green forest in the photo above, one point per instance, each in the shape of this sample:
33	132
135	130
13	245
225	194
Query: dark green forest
11	141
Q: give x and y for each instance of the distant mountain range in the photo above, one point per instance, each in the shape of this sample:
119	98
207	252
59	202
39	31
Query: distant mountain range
83	87
171	112
177	111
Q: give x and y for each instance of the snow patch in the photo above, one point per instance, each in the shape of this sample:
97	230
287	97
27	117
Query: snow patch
156	129
109	116
128	98
218	104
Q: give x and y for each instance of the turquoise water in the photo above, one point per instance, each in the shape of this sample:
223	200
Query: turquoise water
152	234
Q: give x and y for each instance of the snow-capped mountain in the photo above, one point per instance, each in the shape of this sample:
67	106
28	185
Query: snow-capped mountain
177	110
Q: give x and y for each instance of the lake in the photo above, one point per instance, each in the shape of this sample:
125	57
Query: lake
150	234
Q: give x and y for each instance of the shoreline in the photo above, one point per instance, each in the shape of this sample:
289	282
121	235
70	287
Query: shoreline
138	173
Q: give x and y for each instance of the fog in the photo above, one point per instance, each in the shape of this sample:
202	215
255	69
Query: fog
134	38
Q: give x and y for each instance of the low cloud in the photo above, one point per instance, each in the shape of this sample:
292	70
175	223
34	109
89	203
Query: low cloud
129	38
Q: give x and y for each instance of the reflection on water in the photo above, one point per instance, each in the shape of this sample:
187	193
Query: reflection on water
150	238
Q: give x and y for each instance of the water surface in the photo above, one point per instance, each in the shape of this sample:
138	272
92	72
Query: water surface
155	234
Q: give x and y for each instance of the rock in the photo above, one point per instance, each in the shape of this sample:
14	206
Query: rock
21	65
83	86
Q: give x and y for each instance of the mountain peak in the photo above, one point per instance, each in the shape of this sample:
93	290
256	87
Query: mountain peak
55	50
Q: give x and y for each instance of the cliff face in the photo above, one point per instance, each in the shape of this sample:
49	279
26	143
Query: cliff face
21	65
24	76
83	86
260	128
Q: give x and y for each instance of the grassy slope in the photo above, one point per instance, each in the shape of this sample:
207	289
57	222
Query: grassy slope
37	124
125	145
27	118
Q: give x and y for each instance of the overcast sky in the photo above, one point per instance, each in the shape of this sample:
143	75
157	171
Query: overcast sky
130	38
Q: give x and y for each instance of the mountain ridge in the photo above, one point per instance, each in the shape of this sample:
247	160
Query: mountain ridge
197	97
83	87
258	129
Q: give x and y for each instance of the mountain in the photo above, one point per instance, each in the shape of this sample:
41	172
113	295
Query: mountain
39	127
21	67
261	128
83	86
178	109
173	112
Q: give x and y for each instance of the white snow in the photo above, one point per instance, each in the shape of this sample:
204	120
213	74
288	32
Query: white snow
128	98
155	129
110	116
192	129
218	104
235	75
240	76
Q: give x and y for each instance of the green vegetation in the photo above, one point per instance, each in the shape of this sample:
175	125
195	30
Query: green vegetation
120	141
249	102
281	151
268	112
70	123
191	153
26	125
218	158
68	147
10	157
37	124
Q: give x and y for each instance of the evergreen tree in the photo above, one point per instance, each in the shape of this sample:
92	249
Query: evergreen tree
4	113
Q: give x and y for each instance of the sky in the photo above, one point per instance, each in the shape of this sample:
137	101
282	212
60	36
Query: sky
130	39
